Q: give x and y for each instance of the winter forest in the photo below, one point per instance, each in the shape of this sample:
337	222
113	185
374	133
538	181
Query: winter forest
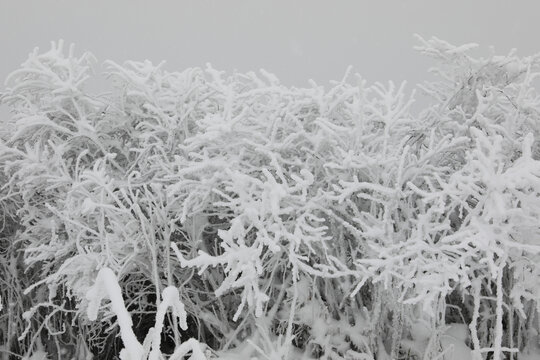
209	215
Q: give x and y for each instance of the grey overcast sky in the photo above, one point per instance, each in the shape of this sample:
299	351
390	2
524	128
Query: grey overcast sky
296	40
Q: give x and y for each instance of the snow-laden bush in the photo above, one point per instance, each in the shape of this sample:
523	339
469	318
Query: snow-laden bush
288	222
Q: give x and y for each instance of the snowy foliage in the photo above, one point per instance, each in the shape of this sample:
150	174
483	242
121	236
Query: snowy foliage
276	222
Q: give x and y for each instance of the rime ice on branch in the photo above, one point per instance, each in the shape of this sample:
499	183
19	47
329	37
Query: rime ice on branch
266	205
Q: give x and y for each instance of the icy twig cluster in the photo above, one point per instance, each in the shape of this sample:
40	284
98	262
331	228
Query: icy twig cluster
107	286
318	222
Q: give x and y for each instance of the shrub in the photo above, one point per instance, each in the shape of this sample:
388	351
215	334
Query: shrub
304	222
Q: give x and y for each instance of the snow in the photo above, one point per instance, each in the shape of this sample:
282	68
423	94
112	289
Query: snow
170	298
462	48
38	355
454	339
106	286
302	221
